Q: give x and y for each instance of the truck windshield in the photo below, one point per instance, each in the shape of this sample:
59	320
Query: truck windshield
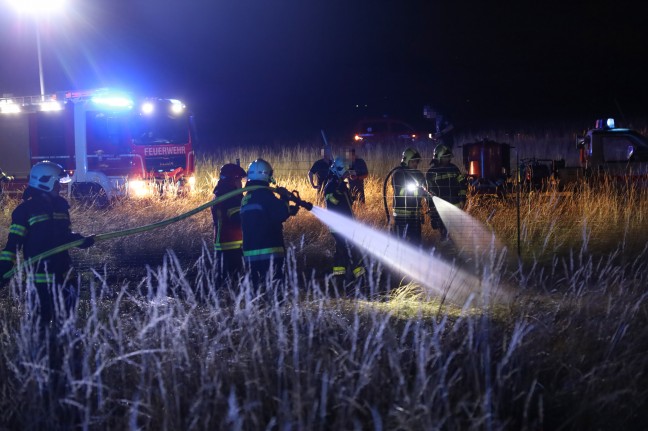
159	130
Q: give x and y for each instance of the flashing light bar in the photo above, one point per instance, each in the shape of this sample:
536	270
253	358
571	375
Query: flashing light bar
113	101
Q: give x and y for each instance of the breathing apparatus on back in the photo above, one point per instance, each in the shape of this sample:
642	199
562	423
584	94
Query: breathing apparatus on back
408	155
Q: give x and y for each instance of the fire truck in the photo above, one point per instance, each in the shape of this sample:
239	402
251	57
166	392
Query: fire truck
111	143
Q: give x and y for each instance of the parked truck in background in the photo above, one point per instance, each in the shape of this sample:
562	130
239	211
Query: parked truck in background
617	152
111	143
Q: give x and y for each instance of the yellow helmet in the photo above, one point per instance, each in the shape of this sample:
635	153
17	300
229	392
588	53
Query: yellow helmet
442	151
410	154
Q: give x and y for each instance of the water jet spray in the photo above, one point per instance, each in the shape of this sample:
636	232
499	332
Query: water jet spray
438	277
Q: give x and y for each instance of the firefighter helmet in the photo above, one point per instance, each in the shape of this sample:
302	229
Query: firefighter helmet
442	151
410	154
260	170
340	167
44	175
230	171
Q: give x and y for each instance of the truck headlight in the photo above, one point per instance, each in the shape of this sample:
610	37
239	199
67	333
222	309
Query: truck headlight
138	188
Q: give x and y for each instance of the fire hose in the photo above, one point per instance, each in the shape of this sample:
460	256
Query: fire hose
281	191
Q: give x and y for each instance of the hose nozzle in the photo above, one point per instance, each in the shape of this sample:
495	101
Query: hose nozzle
293	197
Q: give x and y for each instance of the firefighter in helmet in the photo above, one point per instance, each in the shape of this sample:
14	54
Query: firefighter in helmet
41	222
318	173
228	236
347	259
408	184
262	218
358	173
446	181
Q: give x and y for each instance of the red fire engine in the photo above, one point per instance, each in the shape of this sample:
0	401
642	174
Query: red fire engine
112	144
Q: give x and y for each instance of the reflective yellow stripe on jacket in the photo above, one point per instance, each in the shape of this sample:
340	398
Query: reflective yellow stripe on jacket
232	245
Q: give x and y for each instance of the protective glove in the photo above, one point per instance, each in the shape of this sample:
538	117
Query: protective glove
292	210
88	241
284	194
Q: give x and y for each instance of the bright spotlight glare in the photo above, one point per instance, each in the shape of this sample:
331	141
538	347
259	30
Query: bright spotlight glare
147	108
9	108
176	106
138	188
411	187
37	6
50	105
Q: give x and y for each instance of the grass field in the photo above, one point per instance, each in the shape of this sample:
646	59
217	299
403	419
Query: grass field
156	344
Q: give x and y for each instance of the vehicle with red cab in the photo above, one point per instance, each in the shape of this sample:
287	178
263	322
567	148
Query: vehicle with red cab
111	143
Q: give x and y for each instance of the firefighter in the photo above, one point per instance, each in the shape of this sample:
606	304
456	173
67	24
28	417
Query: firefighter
347	260
446	181
228	236
262	217
40	223
408	184
318	173
358	172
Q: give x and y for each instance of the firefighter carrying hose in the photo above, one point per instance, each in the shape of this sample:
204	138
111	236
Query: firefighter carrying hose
262	217
408	184
228	235
347	260
446	181
41	222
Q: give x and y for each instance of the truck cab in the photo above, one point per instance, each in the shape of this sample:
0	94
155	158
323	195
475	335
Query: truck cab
619	152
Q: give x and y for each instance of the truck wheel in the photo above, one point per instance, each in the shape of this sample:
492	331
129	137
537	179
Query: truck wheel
90	194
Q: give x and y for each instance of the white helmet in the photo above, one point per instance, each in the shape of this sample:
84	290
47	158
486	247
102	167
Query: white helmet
260	170
44	175
340	167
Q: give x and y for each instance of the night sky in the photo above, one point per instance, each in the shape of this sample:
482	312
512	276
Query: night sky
288	68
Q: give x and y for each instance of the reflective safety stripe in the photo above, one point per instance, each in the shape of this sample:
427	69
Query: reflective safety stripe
271	250
251	207
359	272
339	270
411	193
330	197
7	256
400	212
445	176
17	229
232	245
232	211
40	277
60	216
39	218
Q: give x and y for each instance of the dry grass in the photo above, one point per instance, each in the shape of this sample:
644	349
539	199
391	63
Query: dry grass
164	347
